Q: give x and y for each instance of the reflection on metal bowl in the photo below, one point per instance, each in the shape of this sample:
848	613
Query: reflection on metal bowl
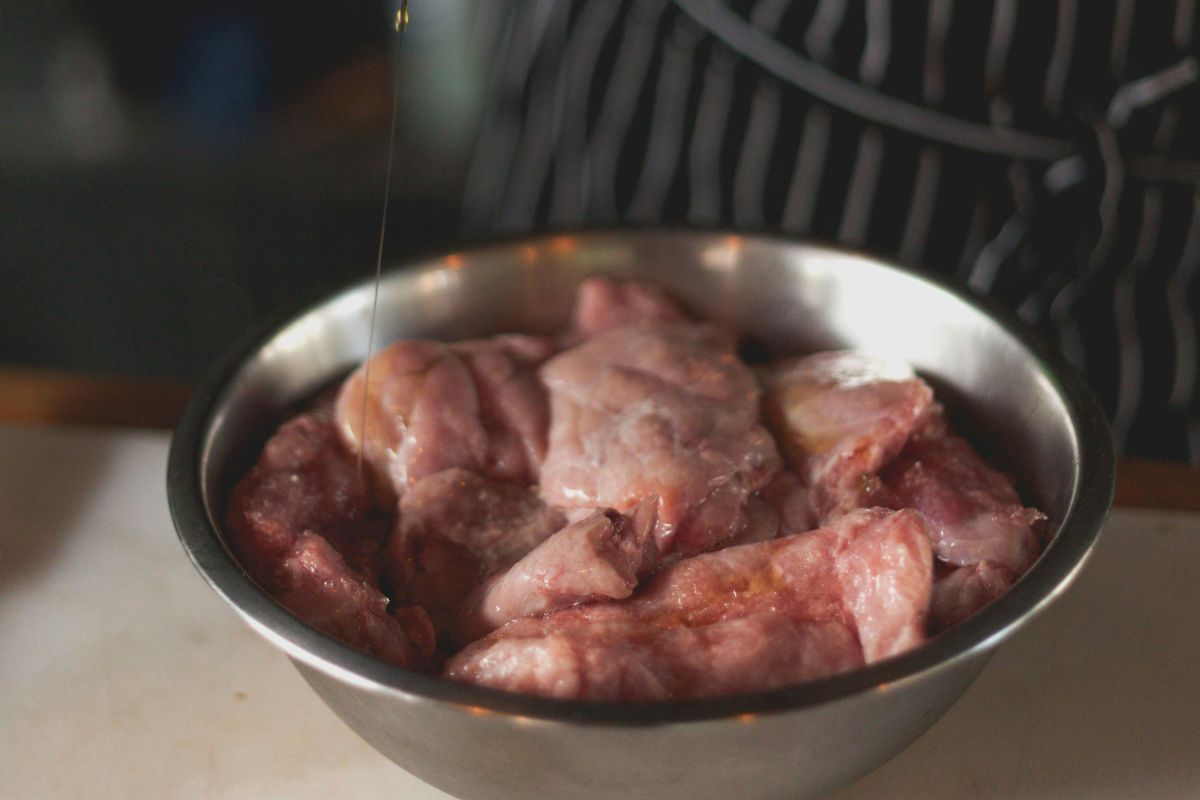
1028	408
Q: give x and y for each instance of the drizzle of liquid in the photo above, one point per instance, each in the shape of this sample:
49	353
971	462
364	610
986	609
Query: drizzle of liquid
400	24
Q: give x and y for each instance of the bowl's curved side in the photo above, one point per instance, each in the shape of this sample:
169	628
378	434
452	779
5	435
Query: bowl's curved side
476	755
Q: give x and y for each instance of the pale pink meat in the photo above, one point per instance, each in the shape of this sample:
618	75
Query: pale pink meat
431	406
497	522
977	522
963	591
976	512
454	529
599	557
886	574
602	304
748	617
841	417
607	656
664	411
303	524
512	402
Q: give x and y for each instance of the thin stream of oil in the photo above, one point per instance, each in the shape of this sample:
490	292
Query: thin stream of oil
400	24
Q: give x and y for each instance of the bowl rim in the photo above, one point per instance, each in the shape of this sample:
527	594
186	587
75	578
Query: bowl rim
1094	476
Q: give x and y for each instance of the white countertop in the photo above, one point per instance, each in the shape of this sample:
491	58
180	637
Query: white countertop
123	676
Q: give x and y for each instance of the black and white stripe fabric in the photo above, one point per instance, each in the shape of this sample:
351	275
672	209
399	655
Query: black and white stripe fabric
1044	153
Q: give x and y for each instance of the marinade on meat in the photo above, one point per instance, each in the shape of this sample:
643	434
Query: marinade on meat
305	527
605	513
314	583
454	529
304	480
756	616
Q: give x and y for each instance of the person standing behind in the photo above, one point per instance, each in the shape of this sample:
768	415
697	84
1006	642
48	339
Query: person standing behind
1042	154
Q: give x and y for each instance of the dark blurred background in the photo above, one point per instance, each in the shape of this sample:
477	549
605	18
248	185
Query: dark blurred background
172	172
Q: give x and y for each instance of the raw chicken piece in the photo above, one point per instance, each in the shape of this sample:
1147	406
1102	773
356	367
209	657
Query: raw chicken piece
456	528
305	481
606	656
886	575
293	518
976	513
314	583
476	405
977	521
655	459
422	414
744	618
841	417
963	591
599	557
656	410
602	304
495	521
792	502
519	347
512	402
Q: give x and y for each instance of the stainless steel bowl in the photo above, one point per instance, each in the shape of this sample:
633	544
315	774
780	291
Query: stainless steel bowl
1027	406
